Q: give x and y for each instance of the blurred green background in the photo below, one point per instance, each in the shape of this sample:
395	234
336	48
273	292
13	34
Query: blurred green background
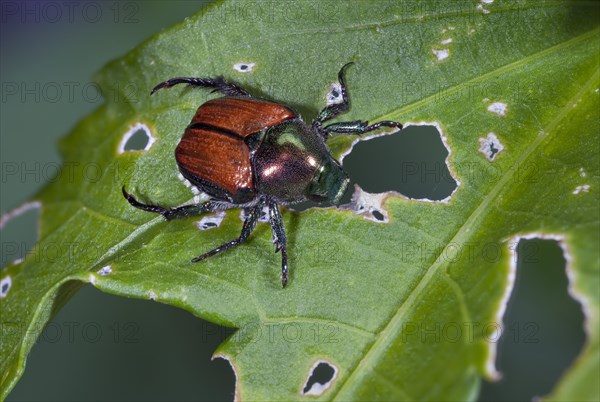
102	347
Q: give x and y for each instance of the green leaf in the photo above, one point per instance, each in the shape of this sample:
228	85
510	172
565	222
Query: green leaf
362	295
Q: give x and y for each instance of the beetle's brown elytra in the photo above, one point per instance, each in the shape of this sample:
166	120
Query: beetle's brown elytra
242	116
249	153
213	153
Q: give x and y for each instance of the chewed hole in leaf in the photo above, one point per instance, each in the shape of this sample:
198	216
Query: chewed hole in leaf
378	215
20	226
320	377
490	146
244	67
411	162
543	325
137	138
5	284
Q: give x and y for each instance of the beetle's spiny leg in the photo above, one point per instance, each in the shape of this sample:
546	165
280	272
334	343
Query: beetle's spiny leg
358	127
219	84
335	109
279	238
170	213
249	225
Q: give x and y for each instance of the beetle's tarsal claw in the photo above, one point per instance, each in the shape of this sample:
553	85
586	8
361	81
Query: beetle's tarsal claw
130	198
159	86
198	259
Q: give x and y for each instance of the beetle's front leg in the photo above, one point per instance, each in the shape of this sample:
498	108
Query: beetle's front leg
333	110
279	238
219	84
358	127
170	213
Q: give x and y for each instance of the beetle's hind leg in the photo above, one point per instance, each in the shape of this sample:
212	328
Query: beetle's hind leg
247	228
171	213
219	84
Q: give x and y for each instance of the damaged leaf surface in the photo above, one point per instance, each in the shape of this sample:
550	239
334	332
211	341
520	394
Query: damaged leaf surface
360	294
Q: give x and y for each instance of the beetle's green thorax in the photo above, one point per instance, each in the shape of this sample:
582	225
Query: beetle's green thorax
293	163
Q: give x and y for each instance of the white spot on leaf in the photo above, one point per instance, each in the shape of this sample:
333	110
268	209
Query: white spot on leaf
211	222
446	41
482	9
582	189
370	206
490	146
334	96
5	285
104	271
133	130
441	54
244	67
497	107
582	172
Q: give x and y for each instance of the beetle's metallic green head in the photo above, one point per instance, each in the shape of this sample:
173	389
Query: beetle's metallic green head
329	183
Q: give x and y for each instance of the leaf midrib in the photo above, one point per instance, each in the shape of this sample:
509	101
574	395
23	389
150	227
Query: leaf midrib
388	334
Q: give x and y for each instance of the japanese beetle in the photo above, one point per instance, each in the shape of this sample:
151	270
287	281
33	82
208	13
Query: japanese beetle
249	153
